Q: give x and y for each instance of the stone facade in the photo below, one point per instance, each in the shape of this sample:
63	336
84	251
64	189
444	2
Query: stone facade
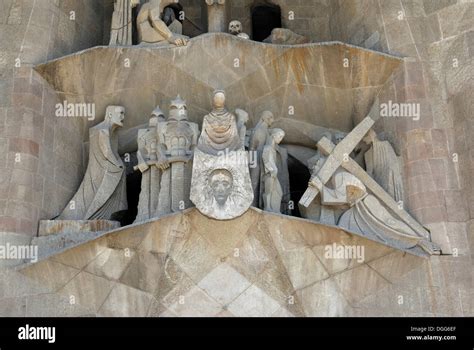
410	52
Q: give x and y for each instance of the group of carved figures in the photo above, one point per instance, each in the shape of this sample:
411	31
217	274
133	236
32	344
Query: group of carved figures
182	166
157	23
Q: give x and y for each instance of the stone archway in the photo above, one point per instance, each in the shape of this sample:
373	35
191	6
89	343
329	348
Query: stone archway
265	17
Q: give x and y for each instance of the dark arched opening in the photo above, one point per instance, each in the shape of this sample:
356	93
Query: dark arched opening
265	18
299	178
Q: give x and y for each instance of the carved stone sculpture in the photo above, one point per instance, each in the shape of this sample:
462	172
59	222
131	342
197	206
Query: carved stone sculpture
235	28
284	36
122	22
384	166
217	11
103	189
219	129
272	189
151	162
258	139
242	120
151	27
221	186
376	215
178	138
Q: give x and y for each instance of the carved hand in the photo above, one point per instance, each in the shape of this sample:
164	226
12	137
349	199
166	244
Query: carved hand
178	41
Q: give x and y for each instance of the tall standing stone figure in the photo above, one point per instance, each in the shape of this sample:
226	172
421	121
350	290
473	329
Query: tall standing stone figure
178	138
103	189
122	22
151	162
221	186
258	139
272	188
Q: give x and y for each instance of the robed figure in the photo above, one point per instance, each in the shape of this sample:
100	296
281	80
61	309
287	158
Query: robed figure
103	189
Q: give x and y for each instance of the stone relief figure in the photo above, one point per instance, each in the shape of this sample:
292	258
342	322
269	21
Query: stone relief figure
151	162
258	138
103	189
221	186
219	129
340	181
383	165
122	22
151	27
282	36
272	189
178	138
242	120
235	28
316	210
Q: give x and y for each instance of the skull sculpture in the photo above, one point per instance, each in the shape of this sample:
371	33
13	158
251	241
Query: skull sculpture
235	27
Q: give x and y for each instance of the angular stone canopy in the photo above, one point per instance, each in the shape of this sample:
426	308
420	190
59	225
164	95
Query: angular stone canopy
260	264
256	76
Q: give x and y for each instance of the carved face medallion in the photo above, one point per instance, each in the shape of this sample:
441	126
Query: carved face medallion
221	184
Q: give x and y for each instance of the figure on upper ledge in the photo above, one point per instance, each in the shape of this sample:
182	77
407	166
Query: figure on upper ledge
103	189
235	28
151	26
122	22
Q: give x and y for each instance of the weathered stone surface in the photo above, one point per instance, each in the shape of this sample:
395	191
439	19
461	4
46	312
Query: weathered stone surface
53	227
279	266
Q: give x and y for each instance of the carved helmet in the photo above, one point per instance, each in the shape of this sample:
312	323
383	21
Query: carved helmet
178	109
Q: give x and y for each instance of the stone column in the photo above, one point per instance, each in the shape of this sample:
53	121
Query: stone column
217	15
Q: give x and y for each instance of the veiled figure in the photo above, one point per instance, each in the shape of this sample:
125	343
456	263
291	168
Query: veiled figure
384	166
219	129
103	189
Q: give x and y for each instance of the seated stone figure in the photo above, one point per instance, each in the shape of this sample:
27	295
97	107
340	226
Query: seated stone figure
103	189
151	27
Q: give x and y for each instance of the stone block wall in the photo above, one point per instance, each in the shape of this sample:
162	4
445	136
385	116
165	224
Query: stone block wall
40	154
